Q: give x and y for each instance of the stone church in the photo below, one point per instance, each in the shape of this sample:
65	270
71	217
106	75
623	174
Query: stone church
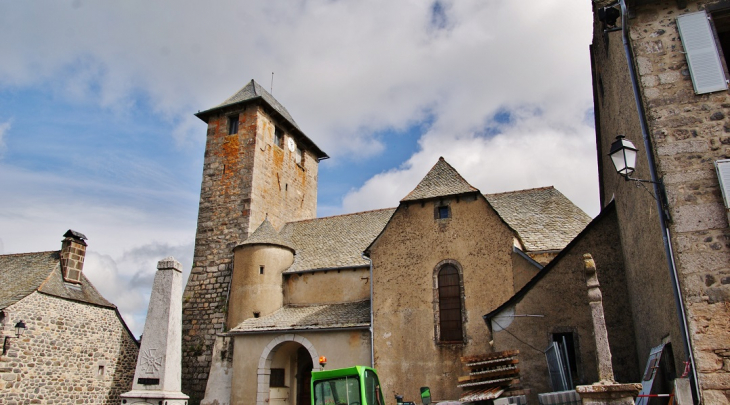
404	289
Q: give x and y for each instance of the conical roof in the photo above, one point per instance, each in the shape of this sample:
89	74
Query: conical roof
442	180
265	234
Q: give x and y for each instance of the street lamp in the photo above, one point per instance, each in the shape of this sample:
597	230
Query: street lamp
19	329
623	156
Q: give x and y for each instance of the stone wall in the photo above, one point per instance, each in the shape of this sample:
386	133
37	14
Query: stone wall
70	353
245	178
688	132
560	299
408	353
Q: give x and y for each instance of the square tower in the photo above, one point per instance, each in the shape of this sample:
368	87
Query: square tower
258	164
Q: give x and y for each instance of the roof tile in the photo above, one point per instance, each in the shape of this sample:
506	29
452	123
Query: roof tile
308	317
543	218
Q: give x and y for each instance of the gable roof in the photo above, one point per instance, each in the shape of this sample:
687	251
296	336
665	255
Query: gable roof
253	92
309	317
442	180
543	218
265	234
24	273
334	242
517	297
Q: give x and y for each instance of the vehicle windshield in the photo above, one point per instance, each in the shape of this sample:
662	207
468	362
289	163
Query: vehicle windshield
337	391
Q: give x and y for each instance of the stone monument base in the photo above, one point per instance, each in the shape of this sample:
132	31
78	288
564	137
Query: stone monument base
605	393
154	398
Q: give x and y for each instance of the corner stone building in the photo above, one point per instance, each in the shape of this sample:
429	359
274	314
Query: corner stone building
76	348
666	91
273	287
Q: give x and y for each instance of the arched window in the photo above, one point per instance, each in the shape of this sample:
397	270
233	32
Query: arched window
449	298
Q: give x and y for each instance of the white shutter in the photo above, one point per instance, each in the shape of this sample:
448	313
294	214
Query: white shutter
702	56
723	175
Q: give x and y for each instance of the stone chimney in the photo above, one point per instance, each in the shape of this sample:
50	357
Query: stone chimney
73	251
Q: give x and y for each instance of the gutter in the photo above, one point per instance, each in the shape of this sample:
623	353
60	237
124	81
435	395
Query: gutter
372	336
658	192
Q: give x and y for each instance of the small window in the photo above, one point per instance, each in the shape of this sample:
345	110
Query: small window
277	378
442	212
232	125
279	137
261	269
100	372
298	155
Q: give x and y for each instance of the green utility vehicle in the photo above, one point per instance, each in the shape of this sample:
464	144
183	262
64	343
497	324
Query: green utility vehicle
358	385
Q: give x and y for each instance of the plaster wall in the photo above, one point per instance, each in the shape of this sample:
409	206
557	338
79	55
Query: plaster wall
343	349
688	132
561	298
405	257
524	271
253	292
324	287
70	353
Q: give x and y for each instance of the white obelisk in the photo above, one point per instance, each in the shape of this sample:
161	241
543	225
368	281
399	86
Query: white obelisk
159	370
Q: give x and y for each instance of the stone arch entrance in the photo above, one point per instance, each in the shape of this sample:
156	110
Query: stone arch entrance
267	357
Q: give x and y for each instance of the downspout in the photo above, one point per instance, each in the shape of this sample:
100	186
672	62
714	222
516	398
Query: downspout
658	192
372	336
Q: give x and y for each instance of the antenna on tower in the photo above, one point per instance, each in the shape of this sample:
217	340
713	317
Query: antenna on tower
272	83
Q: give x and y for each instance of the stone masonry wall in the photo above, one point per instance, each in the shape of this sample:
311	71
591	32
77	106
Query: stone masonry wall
70	353
689	132
245	177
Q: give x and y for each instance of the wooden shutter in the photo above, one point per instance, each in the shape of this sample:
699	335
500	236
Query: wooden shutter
703	59
723	176
450	305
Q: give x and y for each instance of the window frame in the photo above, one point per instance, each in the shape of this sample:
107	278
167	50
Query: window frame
279	136
438	333
233	124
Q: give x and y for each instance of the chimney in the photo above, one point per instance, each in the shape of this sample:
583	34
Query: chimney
73	251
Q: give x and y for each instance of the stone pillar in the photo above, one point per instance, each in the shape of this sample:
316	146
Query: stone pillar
606	391
158	374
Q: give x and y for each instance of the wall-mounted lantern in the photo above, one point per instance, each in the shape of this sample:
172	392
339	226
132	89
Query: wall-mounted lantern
623	156
19	330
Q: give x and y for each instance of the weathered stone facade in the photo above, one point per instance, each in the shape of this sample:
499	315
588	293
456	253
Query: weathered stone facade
247	177
686	134
71	352
407	258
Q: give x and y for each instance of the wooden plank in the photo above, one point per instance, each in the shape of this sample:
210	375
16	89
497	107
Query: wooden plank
498	381
489	356
491	363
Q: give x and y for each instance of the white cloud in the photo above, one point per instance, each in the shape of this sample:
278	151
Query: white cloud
4	128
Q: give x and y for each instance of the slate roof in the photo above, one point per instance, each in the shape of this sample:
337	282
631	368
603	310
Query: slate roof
254	91
543	218
251	91
309	317
22	274
334	242
441	180
265	234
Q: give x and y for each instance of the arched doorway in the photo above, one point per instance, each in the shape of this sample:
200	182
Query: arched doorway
285	371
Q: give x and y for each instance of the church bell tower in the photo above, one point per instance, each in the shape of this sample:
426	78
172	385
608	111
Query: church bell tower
258	164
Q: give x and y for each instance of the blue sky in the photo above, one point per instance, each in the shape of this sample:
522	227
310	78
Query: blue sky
97	131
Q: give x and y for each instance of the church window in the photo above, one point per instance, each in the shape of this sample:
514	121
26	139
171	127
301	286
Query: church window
277	378
232	125
279	137
261	269
449	311
442	212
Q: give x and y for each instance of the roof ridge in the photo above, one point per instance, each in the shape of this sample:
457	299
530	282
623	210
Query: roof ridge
522	190
341	215
442	180
31	253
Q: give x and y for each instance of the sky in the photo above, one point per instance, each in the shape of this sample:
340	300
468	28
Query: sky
97	131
